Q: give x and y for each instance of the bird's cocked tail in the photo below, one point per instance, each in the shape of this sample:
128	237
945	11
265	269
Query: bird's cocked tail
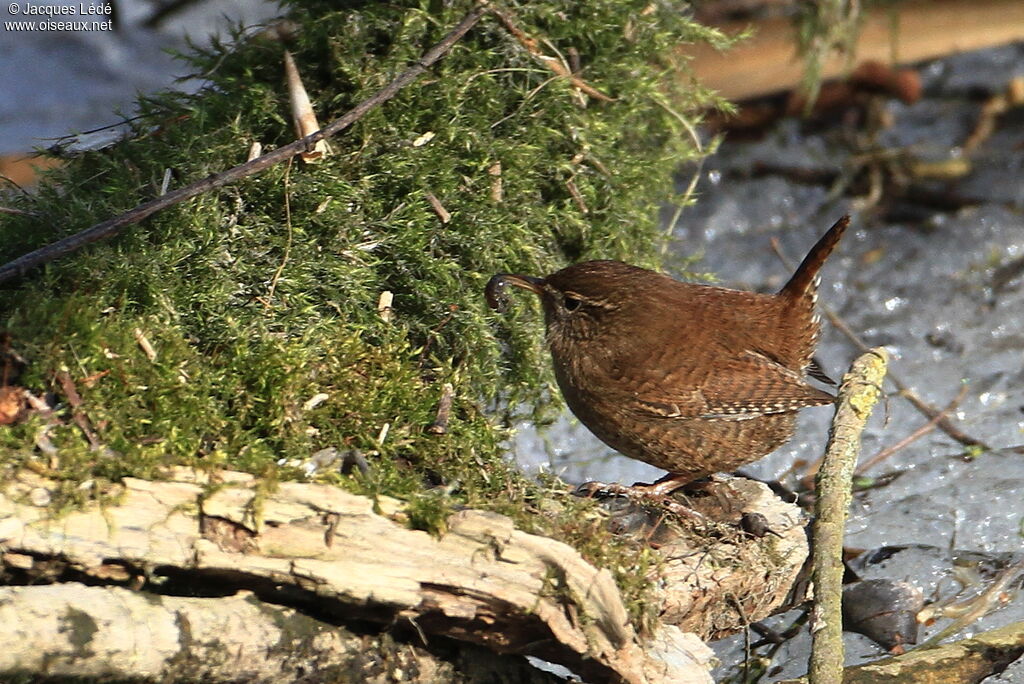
804	282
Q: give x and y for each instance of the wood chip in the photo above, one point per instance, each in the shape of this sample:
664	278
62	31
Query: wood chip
255	150
387	297
315	401
497	192
438	208
144	344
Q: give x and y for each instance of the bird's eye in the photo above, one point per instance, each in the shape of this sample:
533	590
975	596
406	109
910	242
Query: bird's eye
571	303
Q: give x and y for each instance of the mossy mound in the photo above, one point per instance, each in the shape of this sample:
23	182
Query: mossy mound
262	295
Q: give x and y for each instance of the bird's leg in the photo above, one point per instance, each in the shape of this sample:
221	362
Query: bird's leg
656	494
664	486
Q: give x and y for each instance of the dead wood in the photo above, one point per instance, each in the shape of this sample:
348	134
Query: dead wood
965	662
291	564
125	635
860	390
925	29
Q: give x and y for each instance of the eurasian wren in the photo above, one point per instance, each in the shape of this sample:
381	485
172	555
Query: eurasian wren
690	378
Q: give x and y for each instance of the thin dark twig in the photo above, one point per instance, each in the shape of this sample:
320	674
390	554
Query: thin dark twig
913	436
943	422
112	226
108	127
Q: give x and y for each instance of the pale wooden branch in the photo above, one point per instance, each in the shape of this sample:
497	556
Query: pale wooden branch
319	548
927	29
133	635
859	392
346	559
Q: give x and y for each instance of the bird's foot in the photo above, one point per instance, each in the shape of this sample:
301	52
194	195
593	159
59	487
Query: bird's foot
640	494
667	484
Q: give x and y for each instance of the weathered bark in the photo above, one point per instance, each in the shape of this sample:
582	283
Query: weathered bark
717	586
116	633
273	573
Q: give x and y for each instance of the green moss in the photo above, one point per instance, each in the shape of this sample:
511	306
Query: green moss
262	295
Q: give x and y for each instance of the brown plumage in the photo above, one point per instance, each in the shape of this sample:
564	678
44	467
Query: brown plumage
689	378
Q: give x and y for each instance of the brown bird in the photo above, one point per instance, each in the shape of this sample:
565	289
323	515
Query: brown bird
690	378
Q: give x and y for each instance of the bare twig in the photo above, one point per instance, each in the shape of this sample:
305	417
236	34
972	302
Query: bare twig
943	422
438	208
452	308
857	396
557	66
998	593
576	196
112	226
913	436
144	344
75	401
991	110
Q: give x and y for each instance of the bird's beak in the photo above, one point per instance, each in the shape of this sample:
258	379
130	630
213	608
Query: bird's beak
495	290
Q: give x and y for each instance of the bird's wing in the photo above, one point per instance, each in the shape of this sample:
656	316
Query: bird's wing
737	388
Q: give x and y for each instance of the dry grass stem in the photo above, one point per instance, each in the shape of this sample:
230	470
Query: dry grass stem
166	183
288	243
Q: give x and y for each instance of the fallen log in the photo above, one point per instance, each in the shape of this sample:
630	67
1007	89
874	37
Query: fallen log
286	566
